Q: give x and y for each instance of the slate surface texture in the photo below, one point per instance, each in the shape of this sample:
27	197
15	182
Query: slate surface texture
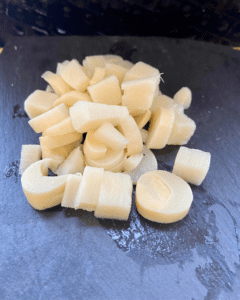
66	254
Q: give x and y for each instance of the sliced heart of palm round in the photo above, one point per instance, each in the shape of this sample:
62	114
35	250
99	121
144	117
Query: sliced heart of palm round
163	197
43	191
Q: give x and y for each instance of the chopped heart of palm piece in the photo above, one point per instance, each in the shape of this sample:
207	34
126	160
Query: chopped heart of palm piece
192	165
106	91
70	98
141	70
92	148
29	155
56	82
183	97
88	193
71	188
163	197
98	75
39	102
132	162
115	198
108	135
142	119
160	128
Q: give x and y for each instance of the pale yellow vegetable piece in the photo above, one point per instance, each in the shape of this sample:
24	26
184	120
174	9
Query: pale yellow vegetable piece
60	66
160	128
52	142
119	167
136	112
106	91
91	62
183	97
92	148
29	155
130	130
71	188
112	58
89	189
111	159
144	134
138	94
165	101
74	74
141	70
43	191
142	119
39	102
74	163
63	127
125	64
192	165
98	75
60	153
49	89
163	197
57	83
132	162
88	116
115	197
70	98
117	70
147	164
108	135
49	118
183	129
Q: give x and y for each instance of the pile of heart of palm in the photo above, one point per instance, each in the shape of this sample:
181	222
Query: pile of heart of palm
92	118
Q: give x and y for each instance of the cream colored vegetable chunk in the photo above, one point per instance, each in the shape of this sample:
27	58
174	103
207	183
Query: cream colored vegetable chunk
115	197
117	70
160	128
74	74
183	129
106	91
119	167
183	97
138	94
39	102
130	130
52	142
60	66
89	189
43	192
98	75
132	162
56	82
70	98
165	101
142	119
112	58
60	153
71	188
92	148
163	197
147	164
192	165
63	127
74	163
29	155
49	89
88	116
111	159
108	135
136	112
49	118
125	64
141	70
91	62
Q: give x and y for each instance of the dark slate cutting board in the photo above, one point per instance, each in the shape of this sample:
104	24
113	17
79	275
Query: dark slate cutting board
67	254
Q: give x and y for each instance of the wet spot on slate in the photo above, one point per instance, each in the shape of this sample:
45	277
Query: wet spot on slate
12	170
124	49
18	112
149	243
